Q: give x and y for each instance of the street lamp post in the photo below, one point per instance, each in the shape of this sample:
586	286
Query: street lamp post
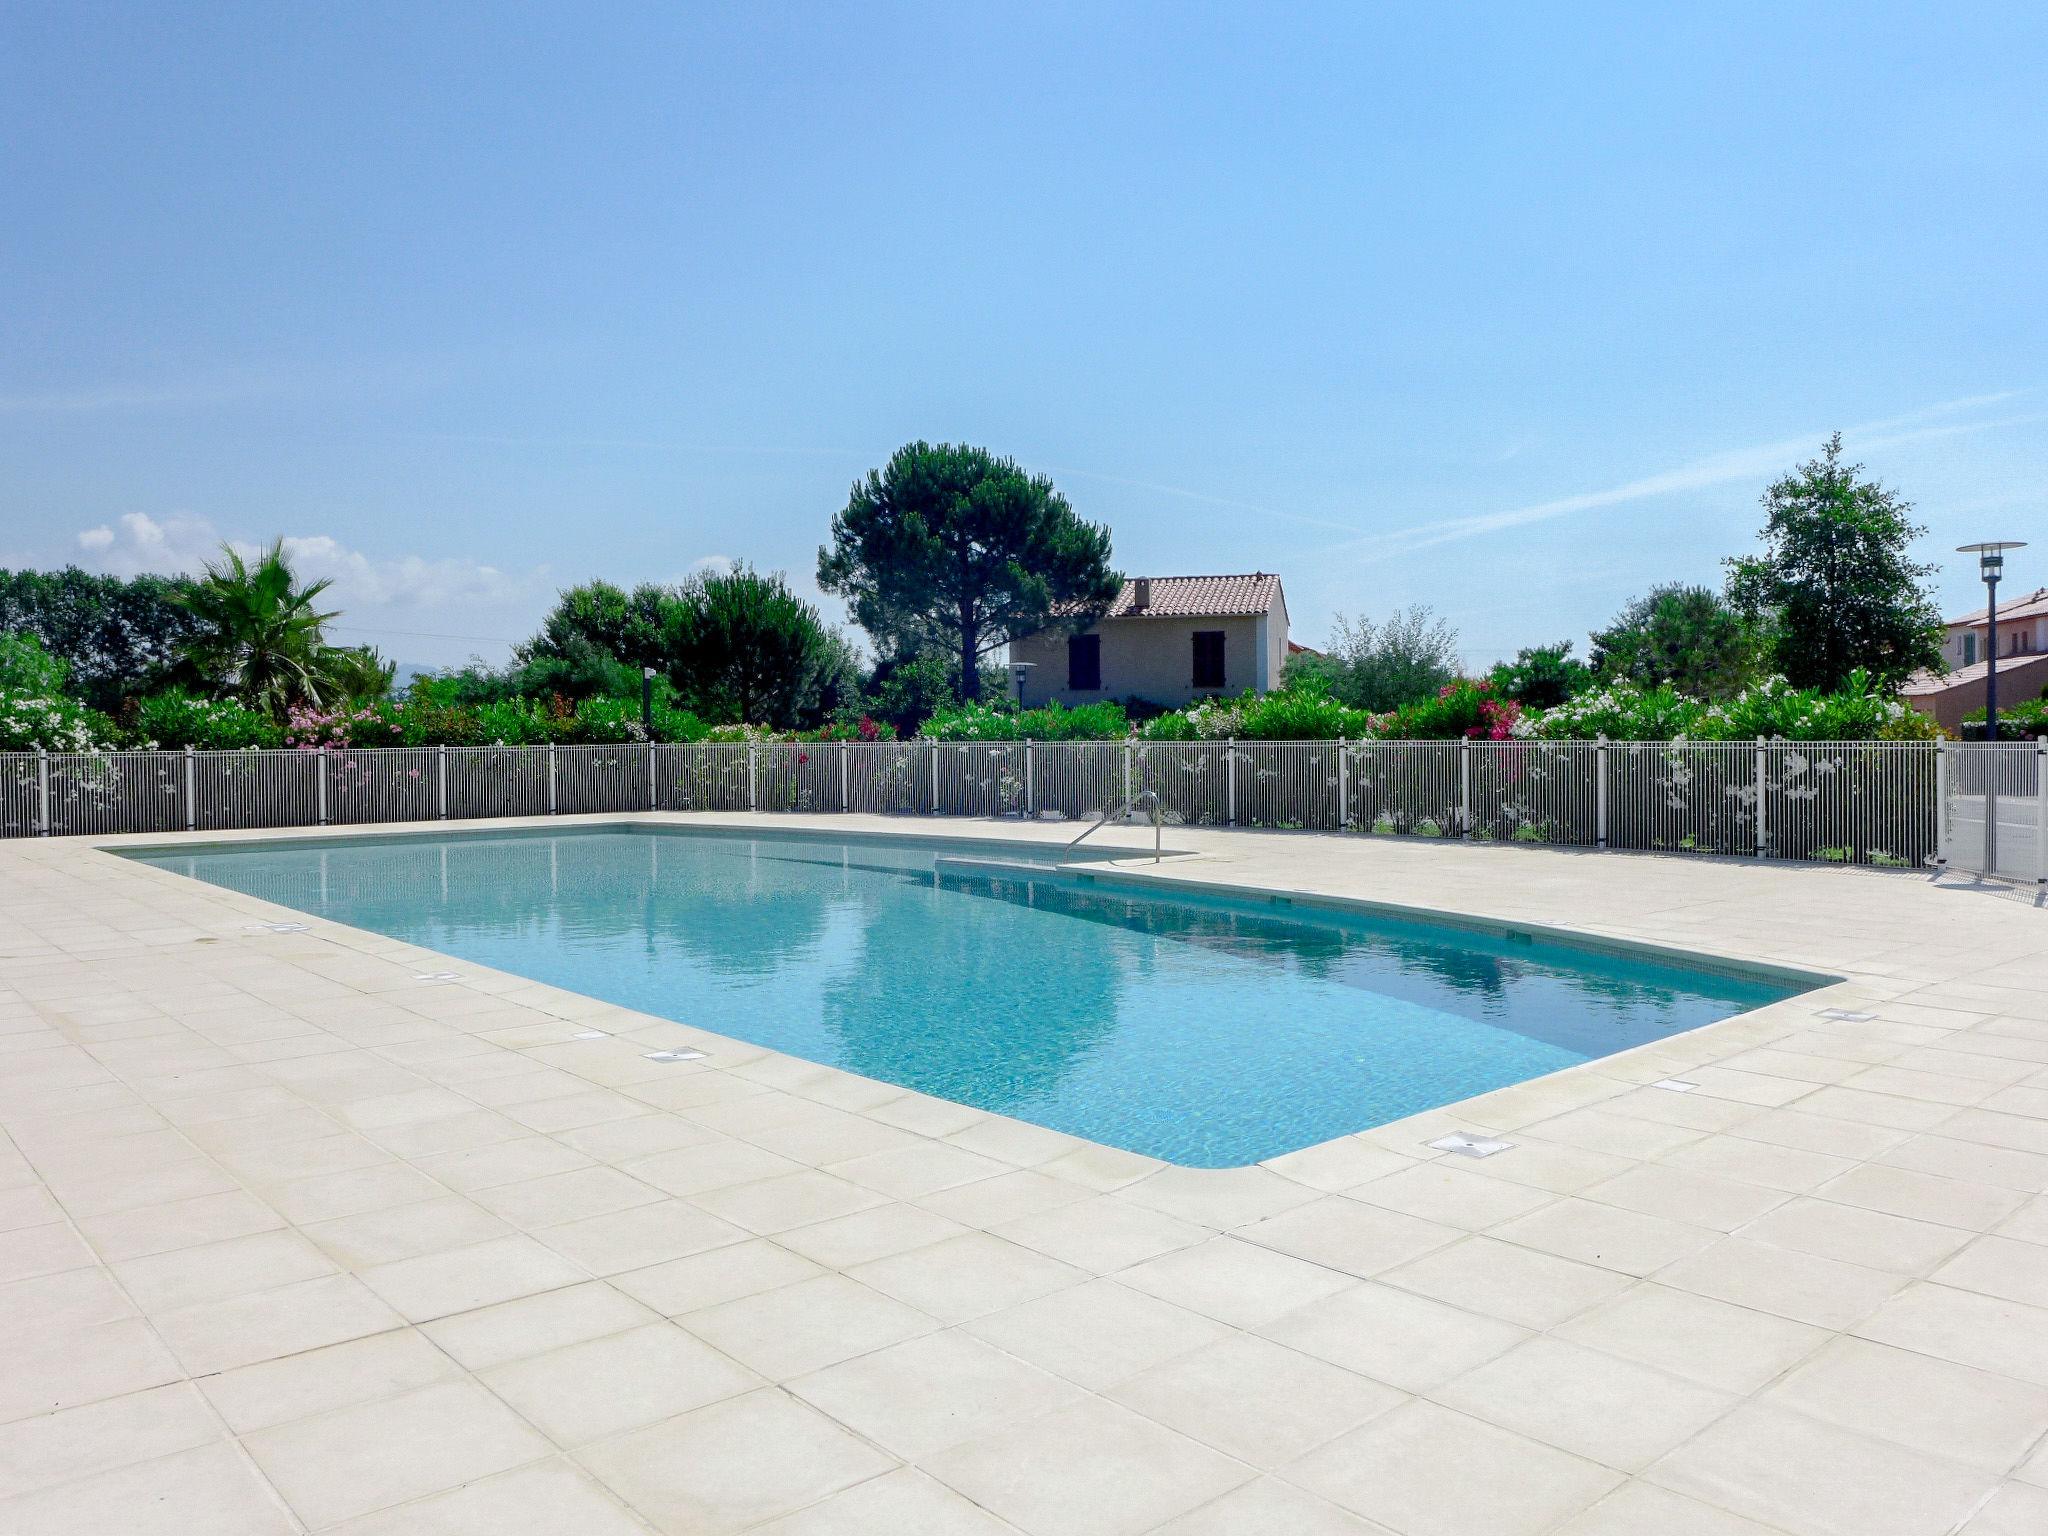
647	700
1991	566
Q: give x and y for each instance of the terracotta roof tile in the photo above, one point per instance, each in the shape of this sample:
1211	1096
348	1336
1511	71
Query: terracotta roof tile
1197	597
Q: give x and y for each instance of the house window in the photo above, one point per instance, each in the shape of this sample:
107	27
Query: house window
1969	648
1208	658
1084	663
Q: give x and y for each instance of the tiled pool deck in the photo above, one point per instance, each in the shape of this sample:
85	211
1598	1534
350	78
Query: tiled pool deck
291	1240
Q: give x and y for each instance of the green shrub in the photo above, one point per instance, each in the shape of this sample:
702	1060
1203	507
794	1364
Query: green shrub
999	722
178	718
52	722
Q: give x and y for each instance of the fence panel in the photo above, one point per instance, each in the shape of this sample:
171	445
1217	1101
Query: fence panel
1290	784
889	778
797	777
256	789
1686	797
20	796
499	781
1405	787
1856	802
93	792
606	778
1077	779
373	784
1535	791
1191	779
702	777
981	778
1995	810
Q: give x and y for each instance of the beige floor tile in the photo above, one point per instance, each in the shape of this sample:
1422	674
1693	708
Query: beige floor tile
900	1503
1096	1334
533	1325
1595	1405
178	1224
925	1394
907	1172
1393	1337
875	1233
1970	1329
1801	1286
966	1276
405	1232
253	1397
1549	1166
1348	1235
463	1279
1592	1233
1426	1471
100	1437
1787	1470
801	1328
1971	1162
1268	1504
1855	1235
1506	1280
285	1320
215	1271
1256	1400
1948	1410
732	1465
45	1250
583	1392
565	1197
1234	1282
501	1162
1790	1169
707	1165
1923	1197
546	1498
643	1235
353	1461
1435	1191
210	1488
1222	1198
1998	1266
989	1203
1121	1474
643	1135
769	1206
702	1280
1102	1235
1643	1509
1654	1189
1711	1342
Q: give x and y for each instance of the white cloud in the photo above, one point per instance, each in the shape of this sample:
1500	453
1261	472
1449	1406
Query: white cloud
184	542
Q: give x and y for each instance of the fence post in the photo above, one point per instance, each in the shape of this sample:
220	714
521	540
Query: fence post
1465	788
441	779
1343	787
845	799
1600	792
1230	781
1127	776
551	778
653	795
935	775
2041	810
1942	836
753	791
1030	793
191	804
320	787
1763	815
42	791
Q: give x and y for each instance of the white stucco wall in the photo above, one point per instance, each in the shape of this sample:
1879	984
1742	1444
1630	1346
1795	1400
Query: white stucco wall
1154	659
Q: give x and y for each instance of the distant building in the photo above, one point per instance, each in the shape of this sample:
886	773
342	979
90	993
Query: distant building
1167	640
2022	661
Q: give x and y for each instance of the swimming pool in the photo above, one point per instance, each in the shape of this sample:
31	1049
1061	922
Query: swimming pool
1209	1031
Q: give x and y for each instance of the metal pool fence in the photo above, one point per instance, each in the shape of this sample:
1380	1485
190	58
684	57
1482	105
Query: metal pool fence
1902	804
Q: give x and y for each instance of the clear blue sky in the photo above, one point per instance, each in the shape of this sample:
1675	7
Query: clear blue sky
1511	311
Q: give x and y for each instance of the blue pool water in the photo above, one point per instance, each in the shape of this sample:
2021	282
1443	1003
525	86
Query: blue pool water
1208	1031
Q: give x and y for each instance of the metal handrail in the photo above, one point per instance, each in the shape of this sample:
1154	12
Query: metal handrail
1145	797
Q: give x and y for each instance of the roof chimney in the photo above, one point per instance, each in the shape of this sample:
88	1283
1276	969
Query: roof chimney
1141	594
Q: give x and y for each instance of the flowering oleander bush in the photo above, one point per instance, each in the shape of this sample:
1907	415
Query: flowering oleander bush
986	721
53	723
177	718
1772	709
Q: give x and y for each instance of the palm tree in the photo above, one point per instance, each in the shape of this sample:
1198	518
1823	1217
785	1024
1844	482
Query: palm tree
357	674
261	640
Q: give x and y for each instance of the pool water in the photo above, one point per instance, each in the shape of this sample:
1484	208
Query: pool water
1211	1032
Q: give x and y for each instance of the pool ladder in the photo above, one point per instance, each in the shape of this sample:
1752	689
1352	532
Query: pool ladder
1149	800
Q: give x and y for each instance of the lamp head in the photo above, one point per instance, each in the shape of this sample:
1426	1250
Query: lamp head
1991	555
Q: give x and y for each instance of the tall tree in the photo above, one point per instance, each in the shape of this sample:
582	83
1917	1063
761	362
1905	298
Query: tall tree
1836	587
951	546
118	637
260	638
596	639
1682	635
741	646
1542	676
1383	666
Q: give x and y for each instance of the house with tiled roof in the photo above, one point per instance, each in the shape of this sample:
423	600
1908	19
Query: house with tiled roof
1166	640
2022	661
